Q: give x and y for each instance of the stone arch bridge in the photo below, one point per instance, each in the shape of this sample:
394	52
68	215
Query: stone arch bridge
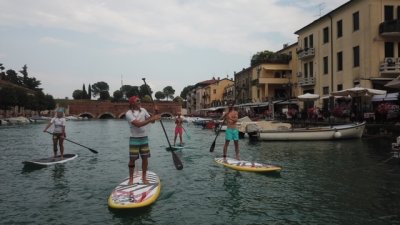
107	109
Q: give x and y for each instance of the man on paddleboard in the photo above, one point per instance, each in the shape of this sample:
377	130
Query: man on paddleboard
231	133
178	128
58	132
138	118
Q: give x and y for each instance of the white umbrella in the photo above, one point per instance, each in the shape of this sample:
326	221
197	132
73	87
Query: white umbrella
308	97
358	91
395	83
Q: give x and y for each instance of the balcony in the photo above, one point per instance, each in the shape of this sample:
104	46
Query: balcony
390	66
306	81
306	53
390	28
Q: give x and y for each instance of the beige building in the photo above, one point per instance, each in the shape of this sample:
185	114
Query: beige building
269	78
213	93
357	44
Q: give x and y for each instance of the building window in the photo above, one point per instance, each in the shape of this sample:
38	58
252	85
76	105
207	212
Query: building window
306	42
339	61
389	13
326	35
325	64
389	49
214	91
325	90
356	21
340	87
311	38
356	56
305	70
311	67
339	25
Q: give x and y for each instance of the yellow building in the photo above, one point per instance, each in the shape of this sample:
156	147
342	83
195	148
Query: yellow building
214	93
357	44
268	78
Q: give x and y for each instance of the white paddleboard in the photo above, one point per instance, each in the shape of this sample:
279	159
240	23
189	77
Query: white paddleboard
138	194
51	160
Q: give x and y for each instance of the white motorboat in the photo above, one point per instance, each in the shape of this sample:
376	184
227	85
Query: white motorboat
283	133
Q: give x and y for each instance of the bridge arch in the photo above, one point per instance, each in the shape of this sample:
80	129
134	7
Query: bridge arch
121	115
106	115
87	115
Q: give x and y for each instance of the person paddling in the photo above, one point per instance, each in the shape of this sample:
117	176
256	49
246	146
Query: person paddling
231	133
58	132
138	118
178	128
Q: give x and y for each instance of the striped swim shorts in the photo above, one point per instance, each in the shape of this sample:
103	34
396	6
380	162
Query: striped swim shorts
139	146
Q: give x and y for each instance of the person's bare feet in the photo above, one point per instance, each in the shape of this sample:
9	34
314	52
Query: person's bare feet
130	182
145	181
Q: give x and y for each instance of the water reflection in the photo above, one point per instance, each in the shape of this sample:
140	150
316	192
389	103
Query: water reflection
61	187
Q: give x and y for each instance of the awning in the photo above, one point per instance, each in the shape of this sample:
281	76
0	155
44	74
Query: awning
387	97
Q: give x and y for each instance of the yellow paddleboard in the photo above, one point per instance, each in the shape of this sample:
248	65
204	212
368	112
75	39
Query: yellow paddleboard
247	166
138	194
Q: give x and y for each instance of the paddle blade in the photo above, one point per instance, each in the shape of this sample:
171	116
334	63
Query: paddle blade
212	146
177	162
92	150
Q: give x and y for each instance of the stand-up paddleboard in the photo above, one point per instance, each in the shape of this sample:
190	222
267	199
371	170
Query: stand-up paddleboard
247	166
138	194
175	147
51	160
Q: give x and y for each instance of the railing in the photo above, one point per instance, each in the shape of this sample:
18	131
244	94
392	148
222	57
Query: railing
306	81
306	53
390	66
390	28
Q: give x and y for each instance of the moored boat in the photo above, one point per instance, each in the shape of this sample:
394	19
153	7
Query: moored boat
335	132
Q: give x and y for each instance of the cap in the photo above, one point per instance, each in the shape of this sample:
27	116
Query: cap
133	99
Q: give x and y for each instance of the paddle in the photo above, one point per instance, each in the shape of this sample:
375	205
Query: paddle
188	136
175	158
213	144
90	149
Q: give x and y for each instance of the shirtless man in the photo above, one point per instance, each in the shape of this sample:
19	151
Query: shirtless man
178	128
231	133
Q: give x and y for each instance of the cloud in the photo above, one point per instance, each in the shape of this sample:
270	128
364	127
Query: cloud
232	26
56	41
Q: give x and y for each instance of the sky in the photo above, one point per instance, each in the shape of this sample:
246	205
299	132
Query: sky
68	44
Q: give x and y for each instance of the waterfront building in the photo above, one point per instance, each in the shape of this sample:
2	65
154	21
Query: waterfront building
356	44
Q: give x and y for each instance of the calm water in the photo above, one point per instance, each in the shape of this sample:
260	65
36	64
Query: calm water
341	182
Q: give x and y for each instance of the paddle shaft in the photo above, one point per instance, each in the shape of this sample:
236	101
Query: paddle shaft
90	149
175	158
219	130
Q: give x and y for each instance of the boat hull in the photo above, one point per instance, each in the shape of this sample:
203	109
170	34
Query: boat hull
314	134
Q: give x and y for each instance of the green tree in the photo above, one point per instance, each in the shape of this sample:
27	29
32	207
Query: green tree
145	90
169	92
8	98
186	90
85	94
117	95
129	91
2	73
100	87
104	95
146	98
13	77
78	94
159	95
89	96
50	102
178	99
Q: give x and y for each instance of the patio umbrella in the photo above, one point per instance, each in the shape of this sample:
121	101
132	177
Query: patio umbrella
395	83
308	97
358	91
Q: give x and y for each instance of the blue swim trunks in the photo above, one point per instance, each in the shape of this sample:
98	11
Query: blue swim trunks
232	134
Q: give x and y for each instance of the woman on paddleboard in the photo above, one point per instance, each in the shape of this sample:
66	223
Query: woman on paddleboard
138	118
231	133
178	128
58	132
